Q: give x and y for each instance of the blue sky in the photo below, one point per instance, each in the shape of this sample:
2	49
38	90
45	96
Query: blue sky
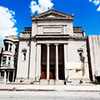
85	12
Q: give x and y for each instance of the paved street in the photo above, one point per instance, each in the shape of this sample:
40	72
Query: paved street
25	95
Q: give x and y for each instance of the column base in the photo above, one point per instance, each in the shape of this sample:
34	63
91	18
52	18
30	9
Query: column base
59	82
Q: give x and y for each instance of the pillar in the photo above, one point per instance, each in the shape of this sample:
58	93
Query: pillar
12	62
5	75
7	60
13	76
0	74
8	46
57	75
8	75
48	60
38	65
65	60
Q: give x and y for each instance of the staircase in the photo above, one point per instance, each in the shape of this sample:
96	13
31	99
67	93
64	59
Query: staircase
51	82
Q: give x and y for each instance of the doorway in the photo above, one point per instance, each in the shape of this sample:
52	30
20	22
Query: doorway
61	69
52	62
43	61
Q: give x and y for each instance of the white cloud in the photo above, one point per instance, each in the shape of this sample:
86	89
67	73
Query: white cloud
96	2
98	8
90	0
41	6
7	22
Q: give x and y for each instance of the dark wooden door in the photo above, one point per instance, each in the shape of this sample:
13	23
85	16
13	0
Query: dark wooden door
43	75
52	72
51	75
43	72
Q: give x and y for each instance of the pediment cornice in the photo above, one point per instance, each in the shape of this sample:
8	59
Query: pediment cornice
52	14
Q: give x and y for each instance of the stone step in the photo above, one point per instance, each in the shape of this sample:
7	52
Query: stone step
52	82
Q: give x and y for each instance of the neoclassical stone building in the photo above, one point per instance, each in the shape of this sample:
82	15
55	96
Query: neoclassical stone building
52	50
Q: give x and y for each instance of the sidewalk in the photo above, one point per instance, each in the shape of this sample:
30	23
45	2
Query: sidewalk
74	88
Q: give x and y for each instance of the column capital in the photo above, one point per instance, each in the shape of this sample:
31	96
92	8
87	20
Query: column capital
38	44
48	44
56	44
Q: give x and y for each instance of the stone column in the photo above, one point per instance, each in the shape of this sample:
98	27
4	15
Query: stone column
5	75
57	74
0	74
7	61
38	69
65	60
13	76
12	62
8	75
8	46
48	60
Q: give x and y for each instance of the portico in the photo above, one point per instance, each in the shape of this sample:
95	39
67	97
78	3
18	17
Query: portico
52	61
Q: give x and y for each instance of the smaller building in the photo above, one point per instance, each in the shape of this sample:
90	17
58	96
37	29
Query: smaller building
94	56
1	47
0	58
9	59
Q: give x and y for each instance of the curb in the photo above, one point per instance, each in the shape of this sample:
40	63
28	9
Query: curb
49	88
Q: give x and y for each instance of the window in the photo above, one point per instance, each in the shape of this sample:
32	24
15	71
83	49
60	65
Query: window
10	47
6	46
4	61
80	51
15	62
9	58
24	51
24	55
16	48
80	54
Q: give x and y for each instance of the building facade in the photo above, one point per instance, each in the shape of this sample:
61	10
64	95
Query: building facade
8	66
50	52
94	56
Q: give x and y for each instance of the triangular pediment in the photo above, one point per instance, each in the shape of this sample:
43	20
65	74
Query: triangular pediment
53	14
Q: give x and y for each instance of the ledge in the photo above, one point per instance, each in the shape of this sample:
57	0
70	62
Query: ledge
6	68
54	36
